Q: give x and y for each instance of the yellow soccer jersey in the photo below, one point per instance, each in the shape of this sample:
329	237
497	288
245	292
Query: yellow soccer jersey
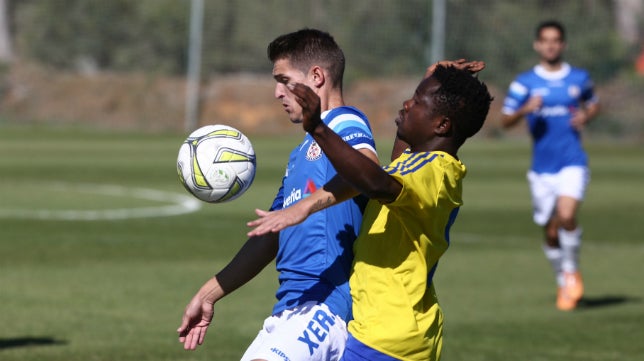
395	308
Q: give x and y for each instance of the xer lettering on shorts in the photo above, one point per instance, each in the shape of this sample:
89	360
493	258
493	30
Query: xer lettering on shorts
316	330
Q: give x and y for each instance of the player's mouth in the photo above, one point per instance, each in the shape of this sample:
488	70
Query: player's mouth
399	118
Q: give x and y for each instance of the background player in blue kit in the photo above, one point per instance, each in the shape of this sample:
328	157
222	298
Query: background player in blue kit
558	101
313	259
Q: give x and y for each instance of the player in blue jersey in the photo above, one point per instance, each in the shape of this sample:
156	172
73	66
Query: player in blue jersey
413	203
557	100
308	321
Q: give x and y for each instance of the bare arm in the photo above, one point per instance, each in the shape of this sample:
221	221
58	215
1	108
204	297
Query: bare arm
253	257
362	173
533	104
337	190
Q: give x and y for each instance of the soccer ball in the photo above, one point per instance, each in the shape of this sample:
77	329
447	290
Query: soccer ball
216	163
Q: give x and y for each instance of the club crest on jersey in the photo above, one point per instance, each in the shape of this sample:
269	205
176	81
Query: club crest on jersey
574	91
314	152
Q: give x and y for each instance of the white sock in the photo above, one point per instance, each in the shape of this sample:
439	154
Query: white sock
555	256
570	242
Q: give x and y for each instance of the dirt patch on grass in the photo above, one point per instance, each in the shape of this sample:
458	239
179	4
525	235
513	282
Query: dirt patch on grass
157	104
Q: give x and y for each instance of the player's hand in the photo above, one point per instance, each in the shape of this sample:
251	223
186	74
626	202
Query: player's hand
271	222
532	105
310	103
472	66
195	321
579	119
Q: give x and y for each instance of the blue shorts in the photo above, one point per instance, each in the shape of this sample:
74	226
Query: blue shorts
358	351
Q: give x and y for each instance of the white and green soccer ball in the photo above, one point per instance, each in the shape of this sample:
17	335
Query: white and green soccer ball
216	163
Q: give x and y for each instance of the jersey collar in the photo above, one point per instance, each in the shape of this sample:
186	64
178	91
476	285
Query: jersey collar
552	75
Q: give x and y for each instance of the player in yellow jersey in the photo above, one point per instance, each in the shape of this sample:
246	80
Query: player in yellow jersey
413	202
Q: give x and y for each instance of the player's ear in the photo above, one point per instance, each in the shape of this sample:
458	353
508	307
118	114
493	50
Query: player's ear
317	76
443	126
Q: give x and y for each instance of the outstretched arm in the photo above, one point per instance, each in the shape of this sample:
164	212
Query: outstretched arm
256	254
363	174
335	191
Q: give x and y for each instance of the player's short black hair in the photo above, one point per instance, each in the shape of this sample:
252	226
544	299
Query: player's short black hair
308	47
550	24
463	98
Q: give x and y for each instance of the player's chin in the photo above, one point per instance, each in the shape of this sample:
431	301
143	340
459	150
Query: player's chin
401	136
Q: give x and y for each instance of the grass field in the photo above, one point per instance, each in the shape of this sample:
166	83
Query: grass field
91	270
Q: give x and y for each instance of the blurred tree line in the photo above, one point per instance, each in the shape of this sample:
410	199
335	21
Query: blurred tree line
379	37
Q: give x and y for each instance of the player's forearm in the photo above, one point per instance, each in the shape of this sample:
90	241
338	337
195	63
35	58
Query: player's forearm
211	291
362	173
509	120
251	259
591	111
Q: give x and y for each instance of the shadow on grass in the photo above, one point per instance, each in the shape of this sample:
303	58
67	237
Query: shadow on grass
28	341
605	301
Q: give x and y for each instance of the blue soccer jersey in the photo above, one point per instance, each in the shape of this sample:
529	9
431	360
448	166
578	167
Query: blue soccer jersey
314	258
557	143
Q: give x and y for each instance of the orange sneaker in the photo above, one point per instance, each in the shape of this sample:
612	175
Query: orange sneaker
564	301
574	285
571	292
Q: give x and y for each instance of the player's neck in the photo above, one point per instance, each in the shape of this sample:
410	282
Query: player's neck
332	100
442	144
551	66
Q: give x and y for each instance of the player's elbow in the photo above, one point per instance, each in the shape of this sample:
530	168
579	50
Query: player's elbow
508	121
383	190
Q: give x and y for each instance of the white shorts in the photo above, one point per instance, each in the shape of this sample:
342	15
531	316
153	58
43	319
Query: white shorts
307	332
547	187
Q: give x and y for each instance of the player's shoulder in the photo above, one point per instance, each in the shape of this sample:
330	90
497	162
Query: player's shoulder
577	69
578	72
346	110
346	116
527	76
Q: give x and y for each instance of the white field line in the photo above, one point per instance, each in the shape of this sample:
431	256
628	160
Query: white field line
178	204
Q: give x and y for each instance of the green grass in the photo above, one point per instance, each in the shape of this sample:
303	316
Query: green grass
115	289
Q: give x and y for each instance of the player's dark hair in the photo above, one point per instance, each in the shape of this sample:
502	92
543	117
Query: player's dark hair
462	98
308	47
551	24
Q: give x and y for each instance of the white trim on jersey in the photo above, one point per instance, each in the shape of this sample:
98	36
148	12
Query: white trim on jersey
344	118
365	146
553	75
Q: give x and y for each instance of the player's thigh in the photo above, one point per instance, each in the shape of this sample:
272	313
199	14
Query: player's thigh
308	332
572	182
571	187
544	196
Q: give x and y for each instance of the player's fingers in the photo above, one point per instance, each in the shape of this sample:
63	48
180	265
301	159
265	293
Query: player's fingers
262	227
259	230
185	321
262	218
261	212
192	338
202	335
186	341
